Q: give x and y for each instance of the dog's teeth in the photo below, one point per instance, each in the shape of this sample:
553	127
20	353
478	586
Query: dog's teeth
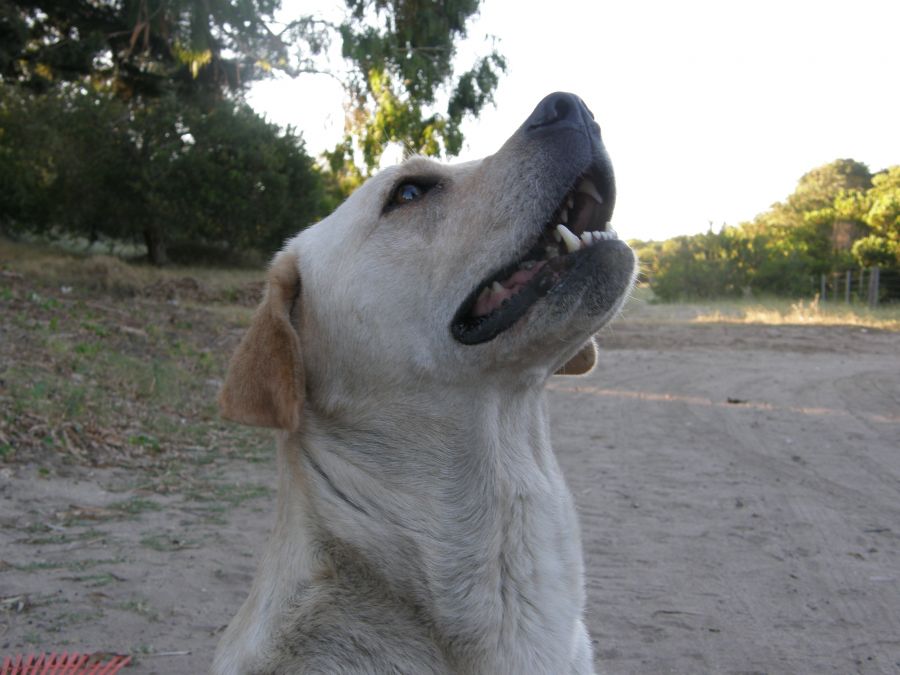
572	242
496	287
611	233
570	202
557	236
552	252
588	188
587	238
484	293
605	235
564	216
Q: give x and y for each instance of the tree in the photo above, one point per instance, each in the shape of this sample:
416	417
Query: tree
839	215
401	68
139	48
884	199
401	54
817	221
169	174
881	212
817	189
168	61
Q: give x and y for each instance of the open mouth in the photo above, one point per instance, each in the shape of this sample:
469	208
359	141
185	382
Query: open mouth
579	223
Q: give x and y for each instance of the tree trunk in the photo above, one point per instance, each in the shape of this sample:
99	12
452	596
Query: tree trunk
156	245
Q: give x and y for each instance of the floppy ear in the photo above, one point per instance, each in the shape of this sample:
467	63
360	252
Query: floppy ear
265	383
583	362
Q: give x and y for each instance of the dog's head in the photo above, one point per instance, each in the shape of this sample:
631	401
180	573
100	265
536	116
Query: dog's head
495	270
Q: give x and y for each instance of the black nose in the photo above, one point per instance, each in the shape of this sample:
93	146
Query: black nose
559	110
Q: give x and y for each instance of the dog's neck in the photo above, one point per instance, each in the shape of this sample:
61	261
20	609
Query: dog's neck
467	507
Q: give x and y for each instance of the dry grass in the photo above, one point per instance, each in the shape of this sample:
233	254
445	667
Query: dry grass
643	306
105	362
801	312
51	266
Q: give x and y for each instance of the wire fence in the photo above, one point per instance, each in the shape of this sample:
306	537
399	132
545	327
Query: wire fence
871	286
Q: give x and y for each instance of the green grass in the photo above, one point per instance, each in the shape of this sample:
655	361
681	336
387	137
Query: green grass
231	494
97	580
166	542
72	565
135	506
141	607
43	539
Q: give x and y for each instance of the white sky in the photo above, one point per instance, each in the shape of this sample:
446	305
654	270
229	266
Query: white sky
711	110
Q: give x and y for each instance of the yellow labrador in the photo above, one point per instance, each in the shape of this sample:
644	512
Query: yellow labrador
402	349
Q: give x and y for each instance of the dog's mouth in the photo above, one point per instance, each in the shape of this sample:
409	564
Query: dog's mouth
579	223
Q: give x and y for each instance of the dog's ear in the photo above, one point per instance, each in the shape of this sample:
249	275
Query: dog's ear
583	362
265	383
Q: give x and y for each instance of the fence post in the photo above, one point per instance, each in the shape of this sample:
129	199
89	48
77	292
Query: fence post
847	287
874	275
822	288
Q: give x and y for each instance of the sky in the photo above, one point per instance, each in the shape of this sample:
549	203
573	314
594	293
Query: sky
711	110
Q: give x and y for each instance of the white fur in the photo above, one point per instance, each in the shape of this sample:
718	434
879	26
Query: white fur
422	466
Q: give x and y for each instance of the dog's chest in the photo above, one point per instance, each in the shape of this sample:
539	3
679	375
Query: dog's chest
516	592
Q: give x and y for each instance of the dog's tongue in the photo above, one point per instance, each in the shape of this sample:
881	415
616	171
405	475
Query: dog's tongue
492	297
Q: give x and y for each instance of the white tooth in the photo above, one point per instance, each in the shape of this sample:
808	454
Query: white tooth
587	238
611	233
564	216
484	293
496	288
572	242
600	236
570	202
588	188
557	235
552	252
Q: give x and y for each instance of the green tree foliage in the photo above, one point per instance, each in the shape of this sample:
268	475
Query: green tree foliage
883	200
401	54
168	174
839	216
404	51
817	189
138	78
139	48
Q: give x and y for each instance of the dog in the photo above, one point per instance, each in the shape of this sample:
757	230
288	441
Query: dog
402	349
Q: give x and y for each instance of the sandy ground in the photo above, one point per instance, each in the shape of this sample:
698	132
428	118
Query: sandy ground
738	487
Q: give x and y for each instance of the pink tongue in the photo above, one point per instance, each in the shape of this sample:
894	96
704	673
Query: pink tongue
488	302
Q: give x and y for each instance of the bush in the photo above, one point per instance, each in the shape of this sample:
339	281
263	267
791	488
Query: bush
167	172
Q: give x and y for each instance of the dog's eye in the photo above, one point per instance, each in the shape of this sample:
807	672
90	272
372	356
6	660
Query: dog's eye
408	192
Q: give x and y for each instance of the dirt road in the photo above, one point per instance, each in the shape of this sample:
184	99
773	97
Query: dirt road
739	489
739	492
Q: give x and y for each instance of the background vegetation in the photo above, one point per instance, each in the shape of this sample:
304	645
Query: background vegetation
124	119
840	217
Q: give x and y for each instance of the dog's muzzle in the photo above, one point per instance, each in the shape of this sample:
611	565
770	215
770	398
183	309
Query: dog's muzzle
568	238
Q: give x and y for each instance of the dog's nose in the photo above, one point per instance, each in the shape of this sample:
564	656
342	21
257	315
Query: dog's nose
558	110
